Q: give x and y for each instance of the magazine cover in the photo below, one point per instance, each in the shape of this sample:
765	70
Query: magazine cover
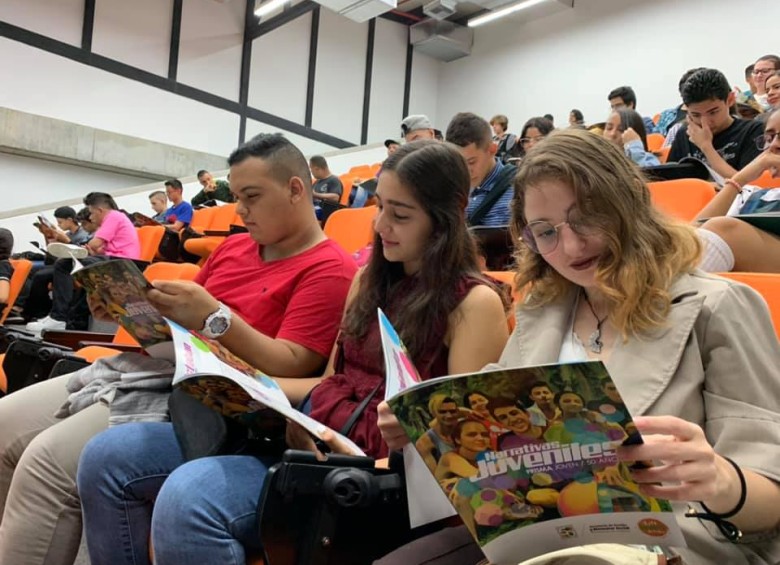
427	503
122	287
527	458
224	382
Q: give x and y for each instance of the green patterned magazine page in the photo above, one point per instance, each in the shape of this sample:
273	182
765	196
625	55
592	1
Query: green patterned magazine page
527	458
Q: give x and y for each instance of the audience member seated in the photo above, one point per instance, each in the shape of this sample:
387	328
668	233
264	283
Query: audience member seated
763	69
159	202
730	243
491	180
773	91
576	119
327	187
34	301
179	215
625	97
279	293
115	237
614	280
672	119
69	229
726	144
6	269
417	127
550	118
626	129
424	276
212	190
504	140
534	130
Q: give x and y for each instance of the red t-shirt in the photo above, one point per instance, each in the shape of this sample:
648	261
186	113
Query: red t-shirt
300	299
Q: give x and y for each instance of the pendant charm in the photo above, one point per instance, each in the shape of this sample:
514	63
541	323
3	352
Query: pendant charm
595	343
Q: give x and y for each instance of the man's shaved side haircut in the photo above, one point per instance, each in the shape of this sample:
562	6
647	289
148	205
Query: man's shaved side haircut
285	159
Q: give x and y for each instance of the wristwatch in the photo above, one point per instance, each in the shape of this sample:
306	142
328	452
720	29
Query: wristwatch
217	323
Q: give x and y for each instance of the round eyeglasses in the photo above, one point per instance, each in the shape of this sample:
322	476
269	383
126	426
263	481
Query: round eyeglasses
764	140
542	237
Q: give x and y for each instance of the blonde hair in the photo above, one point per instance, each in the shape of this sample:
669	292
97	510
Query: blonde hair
645	250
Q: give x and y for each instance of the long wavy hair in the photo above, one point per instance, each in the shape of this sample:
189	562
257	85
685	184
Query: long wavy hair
438	179
645	250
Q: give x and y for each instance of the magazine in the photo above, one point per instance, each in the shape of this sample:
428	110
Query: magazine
525	476
204	368
140	220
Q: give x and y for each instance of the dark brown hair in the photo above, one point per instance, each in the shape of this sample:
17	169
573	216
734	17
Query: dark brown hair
436	175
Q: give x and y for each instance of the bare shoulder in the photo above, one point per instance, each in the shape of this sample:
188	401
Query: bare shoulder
481	299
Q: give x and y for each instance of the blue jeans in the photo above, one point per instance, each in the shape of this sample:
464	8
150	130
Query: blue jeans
133	482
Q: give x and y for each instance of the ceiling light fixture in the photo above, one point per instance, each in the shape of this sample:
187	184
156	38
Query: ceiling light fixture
269	7
492	16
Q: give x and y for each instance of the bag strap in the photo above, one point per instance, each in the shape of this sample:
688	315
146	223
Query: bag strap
350	423
501	186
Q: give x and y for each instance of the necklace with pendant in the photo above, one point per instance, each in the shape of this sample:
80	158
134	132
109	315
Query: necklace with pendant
594	341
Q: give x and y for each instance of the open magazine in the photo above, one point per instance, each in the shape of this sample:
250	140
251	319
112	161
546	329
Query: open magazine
525	476
204	368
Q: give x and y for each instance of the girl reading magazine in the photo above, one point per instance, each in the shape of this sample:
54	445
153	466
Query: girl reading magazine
423	273
694	356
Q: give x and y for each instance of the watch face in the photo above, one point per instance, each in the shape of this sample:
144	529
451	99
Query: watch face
218	325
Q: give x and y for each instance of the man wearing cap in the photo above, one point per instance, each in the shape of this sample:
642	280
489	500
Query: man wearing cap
417	127
392	146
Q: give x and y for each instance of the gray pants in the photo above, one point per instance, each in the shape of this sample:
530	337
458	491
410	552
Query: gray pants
39	505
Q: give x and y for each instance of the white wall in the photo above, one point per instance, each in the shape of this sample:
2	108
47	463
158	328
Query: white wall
60	88
137	33
32	182
340	76
212	35
424	90
574	58
387	81
278	83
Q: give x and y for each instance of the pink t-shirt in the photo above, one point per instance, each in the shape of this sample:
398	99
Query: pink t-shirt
119	235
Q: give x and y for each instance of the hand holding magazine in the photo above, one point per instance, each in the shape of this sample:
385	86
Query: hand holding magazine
526	475
204	368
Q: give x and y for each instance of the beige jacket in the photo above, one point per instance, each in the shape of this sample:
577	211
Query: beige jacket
716	364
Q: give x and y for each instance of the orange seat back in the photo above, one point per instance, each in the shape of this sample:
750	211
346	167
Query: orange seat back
654	142
768	286
352	228
223	216
171	271
681	198
22	268
149	237
656	118
346	187
766	181
202	218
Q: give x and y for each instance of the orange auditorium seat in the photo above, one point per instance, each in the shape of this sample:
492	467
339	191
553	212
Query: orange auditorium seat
654	142
681	198
352	228
22	268
150	238
768	286
766	181
222	218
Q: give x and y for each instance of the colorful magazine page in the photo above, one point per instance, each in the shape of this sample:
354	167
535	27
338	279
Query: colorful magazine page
224	382
552	479
427	503
122	288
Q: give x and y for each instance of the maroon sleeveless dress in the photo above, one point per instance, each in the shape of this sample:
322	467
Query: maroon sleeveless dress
363	370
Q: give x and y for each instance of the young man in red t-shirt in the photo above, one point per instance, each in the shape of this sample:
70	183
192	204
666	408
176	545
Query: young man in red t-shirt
273	297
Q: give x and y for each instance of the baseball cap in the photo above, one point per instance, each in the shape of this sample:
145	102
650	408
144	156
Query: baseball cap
415	122
389	142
